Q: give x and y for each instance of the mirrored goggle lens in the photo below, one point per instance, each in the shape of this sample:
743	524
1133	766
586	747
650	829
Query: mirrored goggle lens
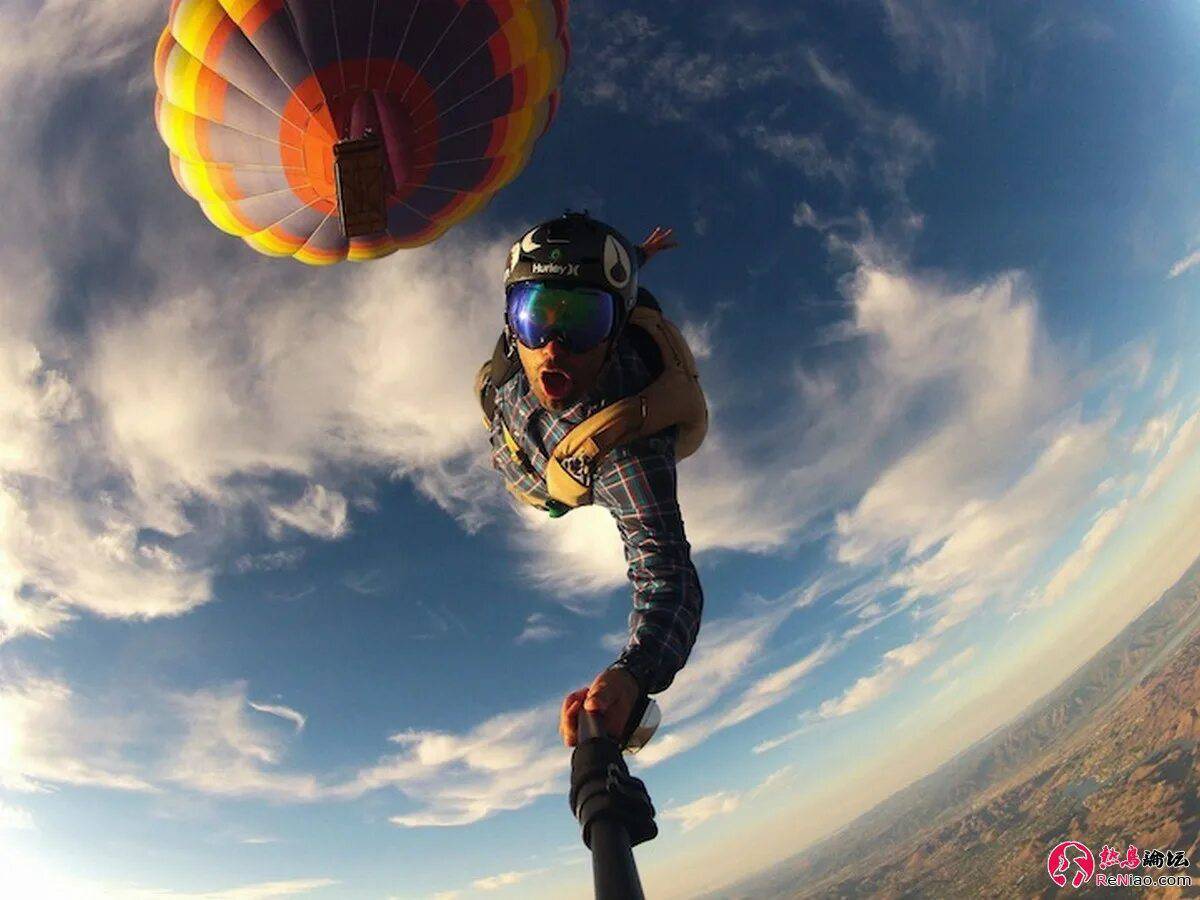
580	317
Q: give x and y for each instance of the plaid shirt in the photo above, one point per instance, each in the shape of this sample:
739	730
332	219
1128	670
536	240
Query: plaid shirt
636	483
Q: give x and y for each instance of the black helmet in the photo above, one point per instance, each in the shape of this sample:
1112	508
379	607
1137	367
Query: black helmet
576	248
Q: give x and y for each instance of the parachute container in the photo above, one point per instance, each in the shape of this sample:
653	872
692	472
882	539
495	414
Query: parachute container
328	130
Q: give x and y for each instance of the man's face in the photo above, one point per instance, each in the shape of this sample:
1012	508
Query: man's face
559	378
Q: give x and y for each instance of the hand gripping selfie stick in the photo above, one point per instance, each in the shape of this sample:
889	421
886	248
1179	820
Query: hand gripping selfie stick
611	805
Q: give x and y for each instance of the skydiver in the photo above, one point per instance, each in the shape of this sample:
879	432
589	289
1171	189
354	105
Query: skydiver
592	396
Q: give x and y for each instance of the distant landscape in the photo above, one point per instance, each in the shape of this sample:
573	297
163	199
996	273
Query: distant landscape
1109	757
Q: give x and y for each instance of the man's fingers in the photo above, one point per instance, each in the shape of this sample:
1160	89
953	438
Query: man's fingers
568	722
573	697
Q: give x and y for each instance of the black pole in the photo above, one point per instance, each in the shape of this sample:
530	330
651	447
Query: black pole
613	808
614	870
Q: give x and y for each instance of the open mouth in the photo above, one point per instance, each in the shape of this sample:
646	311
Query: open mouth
556	384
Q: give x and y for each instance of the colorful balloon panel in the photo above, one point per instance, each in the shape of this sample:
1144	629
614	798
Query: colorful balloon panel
253	95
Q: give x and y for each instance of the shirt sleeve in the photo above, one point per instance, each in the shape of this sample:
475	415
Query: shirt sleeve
636	483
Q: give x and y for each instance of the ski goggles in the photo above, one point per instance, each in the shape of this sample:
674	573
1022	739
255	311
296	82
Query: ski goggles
581	317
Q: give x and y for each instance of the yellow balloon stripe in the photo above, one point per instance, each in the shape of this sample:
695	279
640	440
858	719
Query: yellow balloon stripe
521	34
274	242
239	9
223	216
181	81
363	253
198	181
178	128
195	22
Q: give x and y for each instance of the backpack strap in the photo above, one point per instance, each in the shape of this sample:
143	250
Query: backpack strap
491	377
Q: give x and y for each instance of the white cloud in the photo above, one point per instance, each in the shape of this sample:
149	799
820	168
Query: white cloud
49	737
870	689
505	879
1182	447
1155	432
1081	559
505	762
690	815
223	752
283	712
703	809
693	706
1185	264
773	782
537	630
320	513
991	545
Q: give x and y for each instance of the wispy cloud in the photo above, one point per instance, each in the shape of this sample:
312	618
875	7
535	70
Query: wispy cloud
269	562
894	141
712	694
537	630
1183	445
222	752
1155	432
626	61
953	665
870	689
807	152
283	712
1186	264
505	879
505	762
701	810
959	49
1081	559
320	513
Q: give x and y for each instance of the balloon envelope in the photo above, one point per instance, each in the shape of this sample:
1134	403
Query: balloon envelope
257	97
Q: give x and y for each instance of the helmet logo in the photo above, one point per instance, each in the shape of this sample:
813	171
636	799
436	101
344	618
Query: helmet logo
528	244
514	257
571	270
616	263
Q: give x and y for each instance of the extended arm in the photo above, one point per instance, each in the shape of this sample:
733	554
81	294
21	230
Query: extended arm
637	485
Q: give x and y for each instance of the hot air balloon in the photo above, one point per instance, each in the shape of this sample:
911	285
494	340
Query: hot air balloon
347	129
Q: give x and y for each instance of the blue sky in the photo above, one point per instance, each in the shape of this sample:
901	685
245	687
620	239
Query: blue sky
270	626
